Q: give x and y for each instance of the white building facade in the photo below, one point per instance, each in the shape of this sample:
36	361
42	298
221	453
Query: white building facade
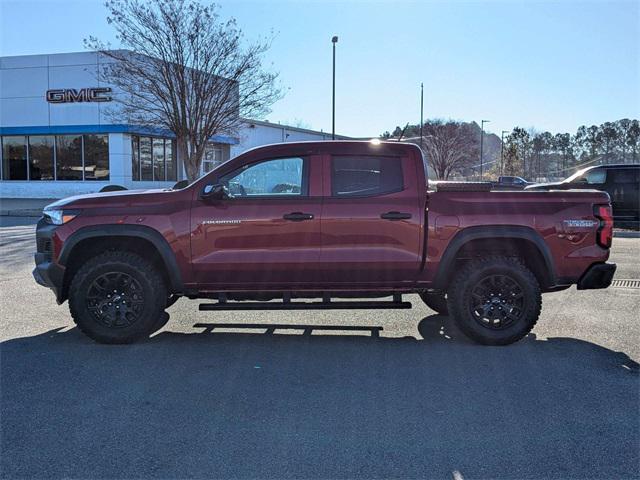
58	137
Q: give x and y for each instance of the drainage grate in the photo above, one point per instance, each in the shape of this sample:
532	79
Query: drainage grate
626	283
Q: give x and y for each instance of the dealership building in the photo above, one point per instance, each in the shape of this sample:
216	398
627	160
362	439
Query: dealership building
59	138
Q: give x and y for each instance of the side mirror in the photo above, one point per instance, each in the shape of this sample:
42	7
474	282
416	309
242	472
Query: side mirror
214	192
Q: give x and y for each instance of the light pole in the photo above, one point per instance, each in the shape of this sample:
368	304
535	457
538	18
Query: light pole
502	151
421	112
482	122
334	40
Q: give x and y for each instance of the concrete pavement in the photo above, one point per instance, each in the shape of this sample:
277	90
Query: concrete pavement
278	395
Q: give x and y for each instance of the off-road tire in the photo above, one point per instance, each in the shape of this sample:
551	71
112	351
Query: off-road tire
471	276
436	302
151	307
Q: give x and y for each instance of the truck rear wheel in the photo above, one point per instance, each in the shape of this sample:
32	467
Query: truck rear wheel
436	302
495	301
117	297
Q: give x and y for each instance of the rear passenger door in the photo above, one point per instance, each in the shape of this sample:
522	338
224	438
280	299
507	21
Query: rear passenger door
371	221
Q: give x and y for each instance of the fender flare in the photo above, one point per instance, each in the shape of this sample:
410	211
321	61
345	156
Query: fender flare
445	268
139	231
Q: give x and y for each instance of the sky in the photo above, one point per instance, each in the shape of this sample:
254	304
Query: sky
548	65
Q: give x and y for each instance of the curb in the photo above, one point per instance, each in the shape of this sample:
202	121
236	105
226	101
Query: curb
626	234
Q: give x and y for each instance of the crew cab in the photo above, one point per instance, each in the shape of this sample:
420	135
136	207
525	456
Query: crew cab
321	225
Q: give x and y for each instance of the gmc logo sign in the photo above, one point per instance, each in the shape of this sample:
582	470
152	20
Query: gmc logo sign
70	95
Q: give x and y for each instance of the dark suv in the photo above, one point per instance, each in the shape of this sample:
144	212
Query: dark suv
621	182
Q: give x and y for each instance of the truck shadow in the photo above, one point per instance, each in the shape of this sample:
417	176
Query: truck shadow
323	401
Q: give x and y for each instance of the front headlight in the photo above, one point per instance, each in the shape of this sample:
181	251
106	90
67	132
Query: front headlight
59	217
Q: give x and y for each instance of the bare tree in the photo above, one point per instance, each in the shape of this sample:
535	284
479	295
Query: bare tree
449	147
184	69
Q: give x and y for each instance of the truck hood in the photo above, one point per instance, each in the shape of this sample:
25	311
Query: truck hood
104	198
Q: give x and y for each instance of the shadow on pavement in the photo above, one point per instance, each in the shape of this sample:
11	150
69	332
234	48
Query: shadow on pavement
317	402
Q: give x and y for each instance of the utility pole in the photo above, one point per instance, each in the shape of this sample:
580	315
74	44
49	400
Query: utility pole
421	111
334	40
502	151
482	122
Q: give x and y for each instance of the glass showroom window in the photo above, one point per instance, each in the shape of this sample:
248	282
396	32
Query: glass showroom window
96	157
41	157
158	159
60	157
153	159
212	157
69	157
14	158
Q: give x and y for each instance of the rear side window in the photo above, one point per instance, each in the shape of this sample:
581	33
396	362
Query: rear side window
358	176
625	176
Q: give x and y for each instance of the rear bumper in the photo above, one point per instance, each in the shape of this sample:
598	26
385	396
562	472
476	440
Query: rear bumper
598	275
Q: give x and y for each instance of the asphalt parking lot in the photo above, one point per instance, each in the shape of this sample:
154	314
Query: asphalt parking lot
390	394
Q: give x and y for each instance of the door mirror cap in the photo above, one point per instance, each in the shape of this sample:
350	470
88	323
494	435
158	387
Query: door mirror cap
213	192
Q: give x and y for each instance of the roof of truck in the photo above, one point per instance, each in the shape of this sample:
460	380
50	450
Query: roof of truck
346	147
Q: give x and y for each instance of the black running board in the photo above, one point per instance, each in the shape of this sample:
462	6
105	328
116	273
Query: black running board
323	305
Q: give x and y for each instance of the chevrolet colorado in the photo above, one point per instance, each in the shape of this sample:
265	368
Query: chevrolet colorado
311	222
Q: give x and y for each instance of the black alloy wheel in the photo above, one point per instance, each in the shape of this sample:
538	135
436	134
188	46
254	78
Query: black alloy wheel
115	299
496	302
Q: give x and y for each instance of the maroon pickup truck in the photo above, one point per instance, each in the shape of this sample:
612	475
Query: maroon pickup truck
322	225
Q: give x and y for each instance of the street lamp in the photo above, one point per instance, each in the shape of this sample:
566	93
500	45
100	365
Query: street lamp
334	40
502	151
482	122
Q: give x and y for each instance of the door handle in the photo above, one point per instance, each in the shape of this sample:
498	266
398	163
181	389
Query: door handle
298	216
395	216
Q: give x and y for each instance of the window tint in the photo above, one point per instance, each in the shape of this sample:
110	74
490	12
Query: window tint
96	157
69	157
597	176
356	176
278	177
625	176
14	158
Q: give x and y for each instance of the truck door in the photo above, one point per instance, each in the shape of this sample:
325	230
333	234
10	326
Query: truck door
372	217
267	233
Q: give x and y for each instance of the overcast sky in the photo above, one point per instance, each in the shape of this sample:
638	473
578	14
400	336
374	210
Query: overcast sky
549	65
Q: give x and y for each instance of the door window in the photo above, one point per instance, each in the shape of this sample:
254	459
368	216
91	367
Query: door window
278	177
357	176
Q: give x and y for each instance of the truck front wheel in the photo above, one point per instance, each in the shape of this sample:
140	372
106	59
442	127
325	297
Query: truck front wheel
495	300
117	297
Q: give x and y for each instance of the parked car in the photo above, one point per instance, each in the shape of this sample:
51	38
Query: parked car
510	183
620	181
355	220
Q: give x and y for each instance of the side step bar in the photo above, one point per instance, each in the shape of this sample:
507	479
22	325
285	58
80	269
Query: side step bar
325	304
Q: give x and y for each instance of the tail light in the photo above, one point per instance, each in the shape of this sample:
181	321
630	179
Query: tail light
605	230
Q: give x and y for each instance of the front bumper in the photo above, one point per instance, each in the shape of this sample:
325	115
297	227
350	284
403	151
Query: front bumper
598	275
47	273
